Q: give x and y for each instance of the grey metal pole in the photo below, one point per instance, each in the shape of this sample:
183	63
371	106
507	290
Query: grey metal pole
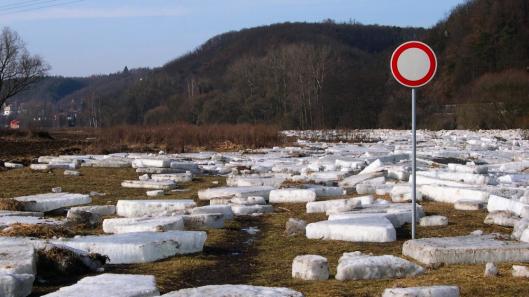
413	163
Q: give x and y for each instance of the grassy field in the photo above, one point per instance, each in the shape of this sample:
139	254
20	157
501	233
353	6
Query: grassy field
233	256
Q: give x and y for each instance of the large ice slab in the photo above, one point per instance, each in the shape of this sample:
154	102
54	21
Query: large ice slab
145	224
18	265
18	258
364	229
472	249
6	221
102	210
397	213
223	209
156	163
230	192
434	291
358	266
243	210
234	291
111	285
52	201
497	203
175	177
250	181
460	177
352	181
149	184
203	221
139	247
336	204
292	196
14	213
452	194
16	285
140	208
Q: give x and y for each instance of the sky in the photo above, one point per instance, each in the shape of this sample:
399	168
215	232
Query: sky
86	37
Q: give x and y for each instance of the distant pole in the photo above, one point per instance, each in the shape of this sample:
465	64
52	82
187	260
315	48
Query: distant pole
413	163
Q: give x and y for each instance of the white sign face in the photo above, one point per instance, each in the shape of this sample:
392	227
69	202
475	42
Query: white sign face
413	64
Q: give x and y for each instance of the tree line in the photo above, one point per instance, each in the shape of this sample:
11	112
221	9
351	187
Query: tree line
321	75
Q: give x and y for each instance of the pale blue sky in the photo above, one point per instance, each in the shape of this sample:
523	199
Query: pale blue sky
102	36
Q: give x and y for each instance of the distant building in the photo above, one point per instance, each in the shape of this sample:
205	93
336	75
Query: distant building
14	124
7	111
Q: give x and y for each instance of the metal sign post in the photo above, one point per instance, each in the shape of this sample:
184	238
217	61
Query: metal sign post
413	64
413	163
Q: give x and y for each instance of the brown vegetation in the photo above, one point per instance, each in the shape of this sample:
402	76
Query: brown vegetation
11	204
38	231
186	137
56	261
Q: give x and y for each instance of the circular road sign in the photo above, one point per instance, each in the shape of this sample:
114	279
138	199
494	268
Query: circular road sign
413	64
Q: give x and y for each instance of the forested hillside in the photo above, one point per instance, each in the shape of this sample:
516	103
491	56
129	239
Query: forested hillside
324	75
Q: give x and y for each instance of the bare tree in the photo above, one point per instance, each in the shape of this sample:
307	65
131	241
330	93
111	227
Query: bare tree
18	69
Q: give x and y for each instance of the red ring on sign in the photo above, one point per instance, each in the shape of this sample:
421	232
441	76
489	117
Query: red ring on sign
413	83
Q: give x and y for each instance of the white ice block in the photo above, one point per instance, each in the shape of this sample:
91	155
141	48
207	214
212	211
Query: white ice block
252	200
111	285
373	167
145	224
497	203
324	206
223	209
234	291
250	181
149	184
310	267
358	266
203	221
155	193
431	221
352	181
243	210
471	249
16	285
176	177
367	229
139	247
426	180
461	177
292	196
6	221
401	194
156	163
468	169
12	165
52	201
452	195
433	291
230	192
140	208
325	191
102	210
18	258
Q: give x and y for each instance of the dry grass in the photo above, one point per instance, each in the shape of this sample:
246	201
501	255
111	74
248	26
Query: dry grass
37	231
57	261
28	134
186	137
232	256
11	204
